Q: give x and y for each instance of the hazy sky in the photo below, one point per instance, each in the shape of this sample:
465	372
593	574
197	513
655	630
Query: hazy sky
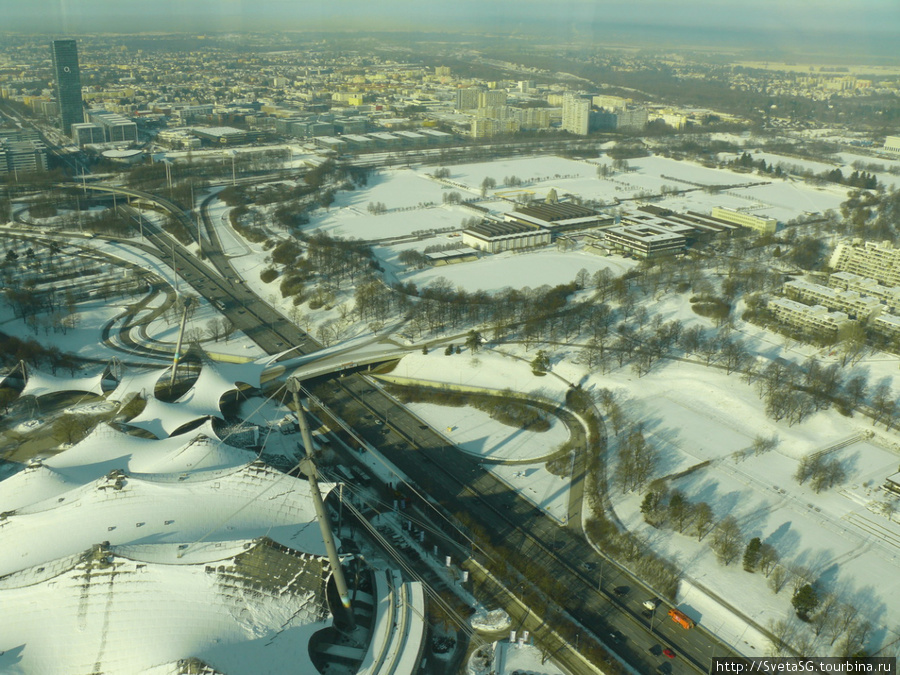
876	17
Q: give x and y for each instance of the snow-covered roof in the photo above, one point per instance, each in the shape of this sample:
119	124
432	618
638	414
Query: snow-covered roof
251	609
216	379
141	382
106	449
220	505
41	384
162	419
201	400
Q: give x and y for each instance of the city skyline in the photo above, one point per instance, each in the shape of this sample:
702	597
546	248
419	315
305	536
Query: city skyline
702	20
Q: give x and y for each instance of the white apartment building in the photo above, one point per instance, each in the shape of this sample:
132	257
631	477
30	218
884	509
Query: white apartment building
576	114
870	259
812	318
847	281
849	302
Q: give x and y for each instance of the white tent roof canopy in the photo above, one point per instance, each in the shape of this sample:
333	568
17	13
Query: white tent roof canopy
163	419
201	400
141	382
40	384
235	503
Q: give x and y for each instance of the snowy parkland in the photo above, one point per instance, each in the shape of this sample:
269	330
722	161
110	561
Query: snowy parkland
699	418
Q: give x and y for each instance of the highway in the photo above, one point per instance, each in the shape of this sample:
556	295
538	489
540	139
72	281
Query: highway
460	484
218	283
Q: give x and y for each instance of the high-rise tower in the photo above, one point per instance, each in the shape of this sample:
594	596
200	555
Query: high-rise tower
68	84
576	113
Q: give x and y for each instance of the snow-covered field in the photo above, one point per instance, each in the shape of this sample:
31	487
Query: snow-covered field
519	270
475	432
353	223
694	414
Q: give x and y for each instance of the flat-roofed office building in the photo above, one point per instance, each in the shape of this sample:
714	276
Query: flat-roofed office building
22	156
761	224
644	241
86	133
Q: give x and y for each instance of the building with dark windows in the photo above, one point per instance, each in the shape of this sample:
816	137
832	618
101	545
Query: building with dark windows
68	84
116	128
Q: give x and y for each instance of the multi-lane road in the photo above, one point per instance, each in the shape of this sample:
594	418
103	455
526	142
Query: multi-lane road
602	598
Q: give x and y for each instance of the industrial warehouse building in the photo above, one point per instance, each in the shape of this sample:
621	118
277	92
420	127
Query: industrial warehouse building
559	217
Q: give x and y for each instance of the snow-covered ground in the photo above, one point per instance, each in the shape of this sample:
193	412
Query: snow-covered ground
486	369
84	340
694	414
519	270
475	432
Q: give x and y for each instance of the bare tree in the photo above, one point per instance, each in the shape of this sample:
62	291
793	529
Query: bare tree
883	404
844	616
778	578
637	460
726	540
679	510
768	558
822	618
782	632
854	639
213	330
703	519
800	576
226	328
582	278
855	391
72	428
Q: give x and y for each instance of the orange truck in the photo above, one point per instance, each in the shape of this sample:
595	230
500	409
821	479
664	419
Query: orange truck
681	618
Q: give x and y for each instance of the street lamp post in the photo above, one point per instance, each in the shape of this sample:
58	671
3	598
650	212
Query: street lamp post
174	267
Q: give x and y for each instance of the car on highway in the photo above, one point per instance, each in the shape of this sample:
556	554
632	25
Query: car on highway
621	591
651	604
669	653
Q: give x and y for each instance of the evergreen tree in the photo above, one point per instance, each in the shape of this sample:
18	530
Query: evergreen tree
805	601
541	363
751	554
